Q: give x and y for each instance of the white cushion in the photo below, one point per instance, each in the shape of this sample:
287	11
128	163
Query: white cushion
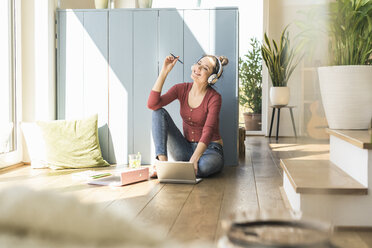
35	144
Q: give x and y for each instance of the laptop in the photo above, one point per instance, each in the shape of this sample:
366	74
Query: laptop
176	172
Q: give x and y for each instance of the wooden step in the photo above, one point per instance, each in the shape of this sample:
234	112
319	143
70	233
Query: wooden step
359	138
320	177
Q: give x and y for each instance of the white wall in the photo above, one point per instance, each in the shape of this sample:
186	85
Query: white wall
38	60
28	70
303	83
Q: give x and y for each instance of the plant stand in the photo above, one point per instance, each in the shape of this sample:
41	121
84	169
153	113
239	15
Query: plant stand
277	123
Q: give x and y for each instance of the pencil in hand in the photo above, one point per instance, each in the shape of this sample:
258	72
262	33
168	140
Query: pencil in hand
176	57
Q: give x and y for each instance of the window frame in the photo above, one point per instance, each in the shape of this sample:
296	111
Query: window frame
15	155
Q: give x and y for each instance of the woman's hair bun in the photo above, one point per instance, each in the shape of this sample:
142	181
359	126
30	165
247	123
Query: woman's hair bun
224	60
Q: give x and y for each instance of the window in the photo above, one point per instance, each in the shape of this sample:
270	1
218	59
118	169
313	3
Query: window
8	128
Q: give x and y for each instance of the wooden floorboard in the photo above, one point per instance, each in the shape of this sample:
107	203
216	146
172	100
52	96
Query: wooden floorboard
366	237
239	194
267	175
198	219
136	198
165	208
348	240
194	212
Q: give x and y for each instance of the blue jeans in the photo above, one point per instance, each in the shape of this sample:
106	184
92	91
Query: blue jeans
167	137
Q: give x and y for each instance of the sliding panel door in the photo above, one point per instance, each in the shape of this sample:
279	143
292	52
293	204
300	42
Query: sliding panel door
196	38
145	73
223	37
120	85
96	72
70	88
171	41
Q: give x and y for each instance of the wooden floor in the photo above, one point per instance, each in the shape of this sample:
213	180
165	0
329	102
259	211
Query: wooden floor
194	212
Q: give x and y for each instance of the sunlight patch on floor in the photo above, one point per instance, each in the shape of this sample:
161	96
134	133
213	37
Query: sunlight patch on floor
300	147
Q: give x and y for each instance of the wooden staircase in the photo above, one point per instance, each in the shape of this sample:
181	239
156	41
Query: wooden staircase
338	189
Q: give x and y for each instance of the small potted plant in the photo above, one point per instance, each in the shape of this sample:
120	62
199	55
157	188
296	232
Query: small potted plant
346	85
250	77
280	62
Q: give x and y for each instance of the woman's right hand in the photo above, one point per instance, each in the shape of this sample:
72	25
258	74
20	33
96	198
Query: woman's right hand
169	63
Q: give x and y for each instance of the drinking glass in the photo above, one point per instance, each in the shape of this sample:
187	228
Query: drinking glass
134	160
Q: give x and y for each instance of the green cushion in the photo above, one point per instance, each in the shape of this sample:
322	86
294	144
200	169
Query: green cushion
72	144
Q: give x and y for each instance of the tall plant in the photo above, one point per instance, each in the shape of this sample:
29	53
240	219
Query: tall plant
280	60
351	32
250	75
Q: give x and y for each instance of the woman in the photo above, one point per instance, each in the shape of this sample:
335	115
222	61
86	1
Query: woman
200	107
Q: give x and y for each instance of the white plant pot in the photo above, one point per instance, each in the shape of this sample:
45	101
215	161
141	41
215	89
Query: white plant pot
144	3
125	4
101	4
347	95
279	95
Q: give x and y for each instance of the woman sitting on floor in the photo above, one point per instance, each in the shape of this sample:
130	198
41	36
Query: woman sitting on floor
200	106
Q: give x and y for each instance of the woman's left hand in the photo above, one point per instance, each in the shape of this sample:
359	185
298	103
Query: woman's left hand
200	148
195	161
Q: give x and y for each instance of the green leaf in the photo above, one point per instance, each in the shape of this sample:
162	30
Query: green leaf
280	60
350	32
250	76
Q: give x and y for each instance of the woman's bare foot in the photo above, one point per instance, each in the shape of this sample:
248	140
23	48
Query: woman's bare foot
153	174
162	158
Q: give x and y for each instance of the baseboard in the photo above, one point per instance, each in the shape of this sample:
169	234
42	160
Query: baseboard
11	167
354	228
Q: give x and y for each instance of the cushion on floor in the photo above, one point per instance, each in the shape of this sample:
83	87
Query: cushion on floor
64	144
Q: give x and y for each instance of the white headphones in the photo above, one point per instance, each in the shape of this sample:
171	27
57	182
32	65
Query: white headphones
214	77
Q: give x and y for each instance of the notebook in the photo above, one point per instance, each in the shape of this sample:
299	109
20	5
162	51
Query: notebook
123	177
176	172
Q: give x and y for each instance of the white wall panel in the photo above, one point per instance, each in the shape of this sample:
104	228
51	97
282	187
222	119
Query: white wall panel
223	41
171	41
71	66
96	72
145	64
196	38
120	86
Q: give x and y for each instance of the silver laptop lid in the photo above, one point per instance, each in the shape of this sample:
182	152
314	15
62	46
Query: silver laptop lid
176	172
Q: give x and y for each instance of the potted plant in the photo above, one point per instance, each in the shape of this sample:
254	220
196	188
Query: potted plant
346	85
280	63
250	96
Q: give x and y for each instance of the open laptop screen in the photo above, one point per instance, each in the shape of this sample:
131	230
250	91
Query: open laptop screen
176	172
